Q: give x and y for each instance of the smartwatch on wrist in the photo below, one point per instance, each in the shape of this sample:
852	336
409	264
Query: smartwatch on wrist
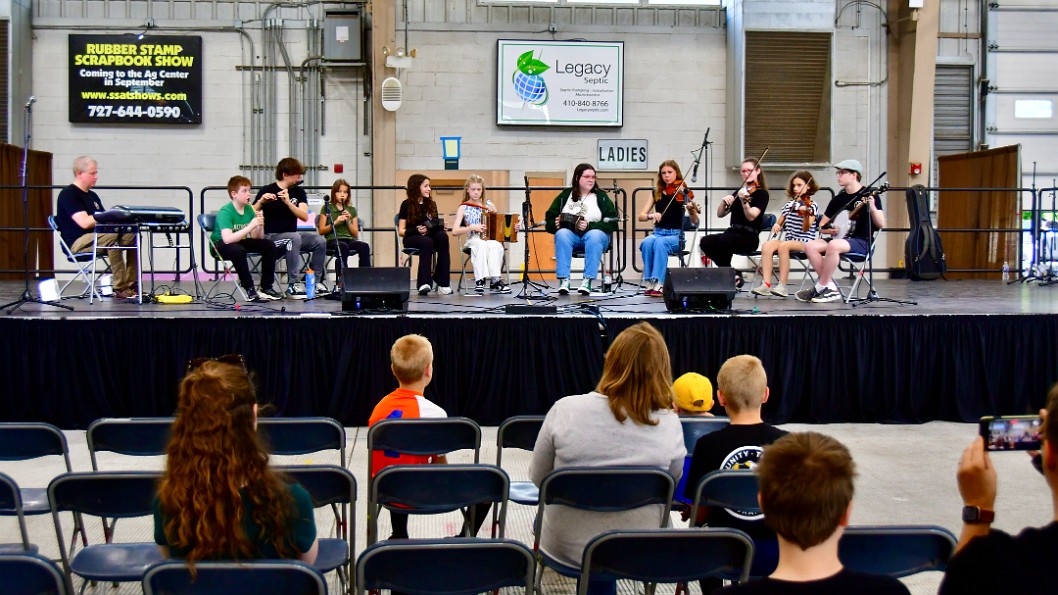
975	515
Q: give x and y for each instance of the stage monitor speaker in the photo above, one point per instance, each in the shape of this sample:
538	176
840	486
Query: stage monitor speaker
375	288
699	289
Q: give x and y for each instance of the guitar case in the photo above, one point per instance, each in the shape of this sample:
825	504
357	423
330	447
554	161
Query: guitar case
923	252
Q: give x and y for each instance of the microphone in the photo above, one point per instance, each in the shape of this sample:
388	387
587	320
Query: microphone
612	219
694	172
32	100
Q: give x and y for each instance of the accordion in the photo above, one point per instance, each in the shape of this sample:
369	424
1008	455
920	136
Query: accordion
569	221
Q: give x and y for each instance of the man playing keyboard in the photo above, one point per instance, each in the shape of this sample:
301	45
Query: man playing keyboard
74	217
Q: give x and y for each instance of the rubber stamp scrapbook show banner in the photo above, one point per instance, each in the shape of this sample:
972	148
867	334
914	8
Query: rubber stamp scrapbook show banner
118	79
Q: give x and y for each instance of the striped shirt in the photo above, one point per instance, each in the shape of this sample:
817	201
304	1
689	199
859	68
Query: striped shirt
793	225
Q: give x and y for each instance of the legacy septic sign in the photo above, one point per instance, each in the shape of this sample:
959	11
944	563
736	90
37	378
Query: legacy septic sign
121	79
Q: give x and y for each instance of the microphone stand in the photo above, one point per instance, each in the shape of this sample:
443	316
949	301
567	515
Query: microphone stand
537	291
27	296
872	294
702	152
339	278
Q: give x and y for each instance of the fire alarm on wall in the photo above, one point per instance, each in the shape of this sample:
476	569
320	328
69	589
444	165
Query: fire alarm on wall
916	168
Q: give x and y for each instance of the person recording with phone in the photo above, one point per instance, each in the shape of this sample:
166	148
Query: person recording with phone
988	560
284	203
864	218
746	207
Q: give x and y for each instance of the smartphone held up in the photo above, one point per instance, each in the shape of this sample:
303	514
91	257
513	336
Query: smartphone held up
1016	432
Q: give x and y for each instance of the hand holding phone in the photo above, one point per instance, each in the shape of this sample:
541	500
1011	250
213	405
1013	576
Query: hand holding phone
1016	432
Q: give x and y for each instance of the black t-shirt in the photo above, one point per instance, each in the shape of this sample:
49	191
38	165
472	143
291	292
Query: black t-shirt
278	217
1000	563
671	216
73	200
845	201
846	582
732	447
411	225
758	199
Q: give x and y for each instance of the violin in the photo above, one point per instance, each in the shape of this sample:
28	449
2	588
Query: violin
749	188
805	208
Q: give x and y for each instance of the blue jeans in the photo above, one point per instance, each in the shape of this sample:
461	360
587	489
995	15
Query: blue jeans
656	249
594	243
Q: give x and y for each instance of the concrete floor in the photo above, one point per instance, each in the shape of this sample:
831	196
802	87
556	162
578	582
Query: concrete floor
906	476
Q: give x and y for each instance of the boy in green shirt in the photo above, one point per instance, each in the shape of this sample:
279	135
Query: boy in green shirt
240	229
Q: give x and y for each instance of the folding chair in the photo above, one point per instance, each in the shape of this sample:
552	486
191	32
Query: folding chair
437	489
682	252
260	577
518	432
81	260
290	436
767	223
11	505
693	429
336	487
859	264
599	489
445	567
119	494
666	556
28	441
131	436
737	490
207	222
799	257
465	250
31	573
897	551
419	437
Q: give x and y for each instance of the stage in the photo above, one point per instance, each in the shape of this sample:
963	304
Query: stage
966	349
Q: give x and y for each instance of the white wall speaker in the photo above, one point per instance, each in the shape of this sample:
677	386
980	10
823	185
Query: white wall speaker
392	94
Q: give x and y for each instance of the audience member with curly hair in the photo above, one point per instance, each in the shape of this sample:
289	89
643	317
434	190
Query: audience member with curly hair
218	498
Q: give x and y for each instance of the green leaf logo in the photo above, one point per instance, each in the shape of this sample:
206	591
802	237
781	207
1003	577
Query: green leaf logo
529	65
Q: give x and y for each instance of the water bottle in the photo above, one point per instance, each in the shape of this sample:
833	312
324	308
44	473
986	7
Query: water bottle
1006	272
310	284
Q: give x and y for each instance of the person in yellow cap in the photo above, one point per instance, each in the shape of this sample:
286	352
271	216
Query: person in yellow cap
694	395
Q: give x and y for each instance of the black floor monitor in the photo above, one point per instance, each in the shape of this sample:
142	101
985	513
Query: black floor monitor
703	289
375	288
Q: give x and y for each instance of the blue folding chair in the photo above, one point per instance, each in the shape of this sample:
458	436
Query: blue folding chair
117	494
302	435
666	556
897	551
131	436
694	427
11	505
599	489
445	567
28	441
260	577
437	489
859	265
419	437
31	574
335	487
519	432
737	490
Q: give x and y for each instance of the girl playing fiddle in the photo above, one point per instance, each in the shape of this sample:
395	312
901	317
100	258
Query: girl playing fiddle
671	197
746	207
799	221
486	256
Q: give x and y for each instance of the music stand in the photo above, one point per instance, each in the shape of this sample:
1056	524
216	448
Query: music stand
537	291
27	296
872	293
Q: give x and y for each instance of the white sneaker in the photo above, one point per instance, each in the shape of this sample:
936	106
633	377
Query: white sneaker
779	290
444	290
762	289
585	287
563	287
424	289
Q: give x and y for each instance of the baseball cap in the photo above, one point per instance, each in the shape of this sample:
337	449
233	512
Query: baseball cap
694	392
851	165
